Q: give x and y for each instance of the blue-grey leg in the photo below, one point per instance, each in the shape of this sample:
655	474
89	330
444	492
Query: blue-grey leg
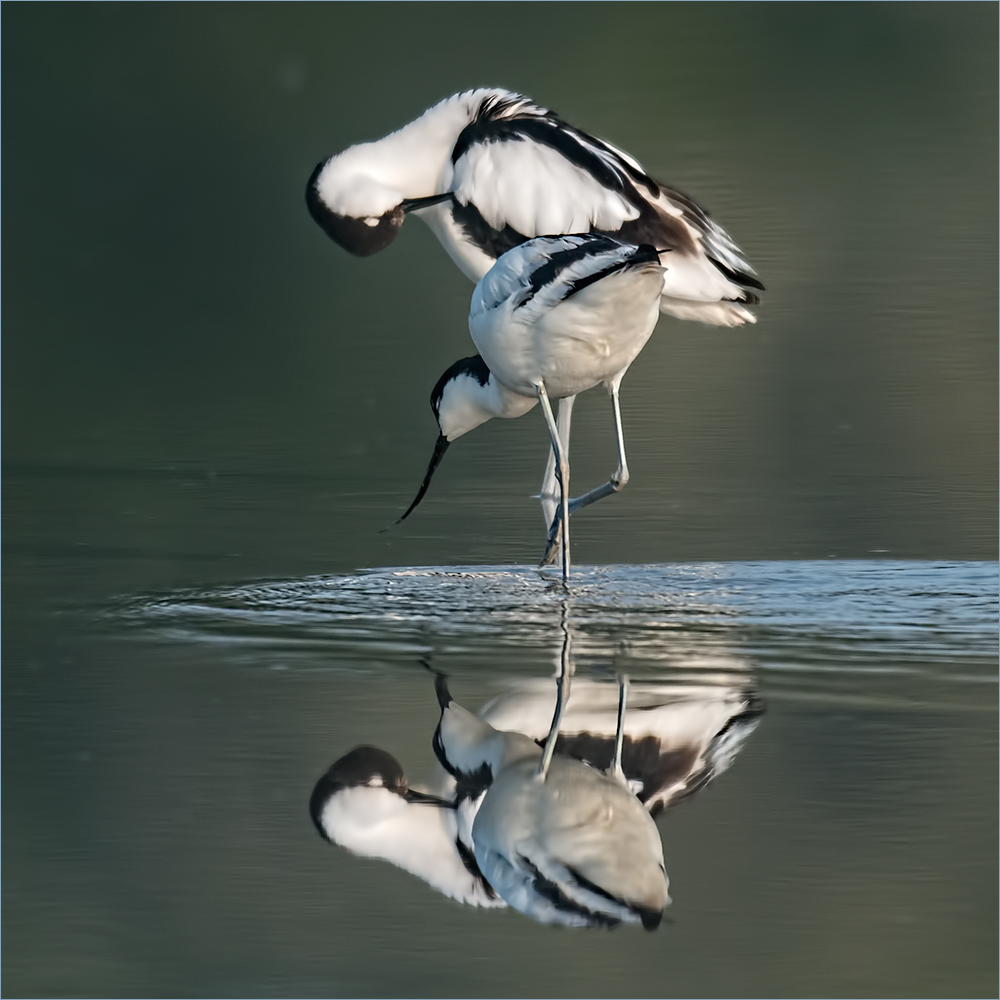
562	475
548	494
616	483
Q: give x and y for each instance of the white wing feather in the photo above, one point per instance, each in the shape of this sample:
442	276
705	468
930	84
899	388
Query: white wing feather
535	190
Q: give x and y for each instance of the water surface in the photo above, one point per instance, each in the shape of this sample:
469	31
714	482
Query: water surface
165	764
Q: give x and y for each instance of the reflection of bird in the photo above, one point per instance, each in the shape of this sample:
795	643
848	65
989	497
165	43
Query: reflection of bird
676	740
553	317
363	803
489	169
565	844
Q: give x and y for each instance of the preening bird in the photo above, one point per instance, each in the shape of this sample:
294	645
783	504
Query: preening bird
675	740
489	169
552	318
364	804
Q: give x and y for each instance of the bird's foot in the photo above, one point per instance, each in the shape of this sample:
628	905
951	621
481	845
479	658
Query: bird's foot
553	544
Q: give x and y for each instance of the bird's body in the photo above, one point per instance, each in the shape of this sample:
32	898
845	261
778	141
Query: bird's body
576	848
569	313
489	169
552	318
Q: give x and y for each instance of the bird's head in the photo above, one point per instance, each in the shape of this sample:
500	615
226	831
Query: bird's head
365	767
461	402
353	208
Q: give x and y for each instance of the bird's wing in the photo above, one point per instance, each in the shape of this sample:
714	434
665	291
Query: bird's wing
677	738
673	221
548	269
512	274
530	170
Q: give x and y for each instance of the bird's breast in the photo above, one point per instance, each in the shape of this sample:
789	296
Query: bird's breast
570	344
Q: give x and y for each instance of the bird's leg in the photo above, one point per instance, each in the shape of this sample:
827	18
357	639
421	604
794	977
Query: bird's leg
615	484
562	474
562	692
615	770
548	495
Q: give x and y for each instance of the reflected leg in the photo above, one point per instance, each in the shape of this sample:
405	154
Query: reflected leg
615	770
562	692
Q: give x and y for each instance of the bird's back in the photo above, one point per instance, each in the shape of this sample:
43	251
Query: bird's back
579	840
570	311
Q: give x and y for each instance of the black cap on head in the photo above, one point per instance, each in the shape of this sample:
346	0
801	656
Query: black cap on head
359	767
474	367
354	235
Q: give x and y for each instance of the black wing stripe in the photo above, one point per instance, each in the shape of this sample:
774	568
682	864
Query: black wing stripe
642	255
493	242
739	278
649	918
548	889
472	867
562	259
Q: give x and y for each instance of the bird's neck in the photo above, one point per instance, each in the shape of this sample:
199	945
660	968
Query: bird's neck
413	162
470	744
378	823
467	404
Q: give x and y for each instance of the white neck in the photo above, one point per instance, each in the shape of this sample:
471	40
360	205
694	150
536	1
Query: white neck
371	178
465	404
378	823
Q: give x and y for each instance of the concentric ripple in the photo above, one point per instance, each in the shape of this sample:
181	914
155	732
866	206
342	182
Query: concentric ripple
813	620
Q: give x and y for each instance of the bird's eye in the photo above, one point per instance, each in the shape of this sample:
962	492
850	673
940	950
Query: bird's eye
372	220
375	782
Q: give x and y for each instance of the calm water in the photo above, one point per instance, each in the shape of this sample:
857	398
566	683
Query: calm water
166	752
209	411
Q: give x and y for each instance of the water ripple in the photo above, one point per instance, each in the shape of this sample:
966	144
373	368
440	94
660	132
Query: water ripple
878	619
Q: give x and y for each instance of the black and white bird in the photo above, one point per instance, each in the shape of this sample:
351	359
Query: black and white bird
675	740
552	318
557	839
489	169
